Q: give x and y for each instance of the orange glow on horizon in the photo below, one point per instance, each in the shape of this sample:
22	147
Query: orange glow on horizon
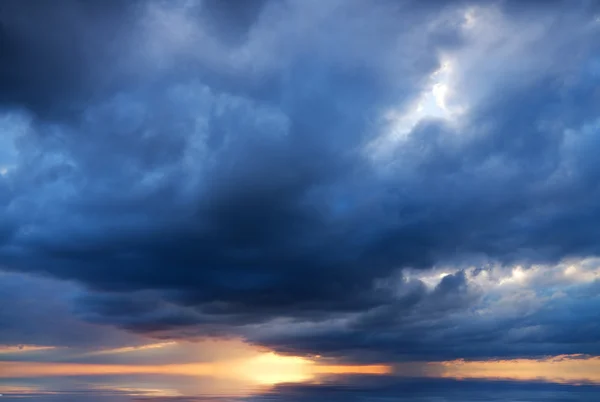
270	369
565	369
264	369
374	369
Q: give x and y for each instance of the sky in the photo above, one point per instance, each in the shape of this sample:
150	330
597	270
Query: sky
346	185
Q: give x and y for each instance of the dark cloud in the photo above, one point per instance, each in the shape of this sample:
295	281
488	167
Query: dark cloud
37	311
469	324
54	56
212	169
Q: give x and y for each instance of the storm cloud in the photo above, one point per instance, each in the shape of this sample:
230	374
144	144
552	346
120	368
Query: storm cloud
296	172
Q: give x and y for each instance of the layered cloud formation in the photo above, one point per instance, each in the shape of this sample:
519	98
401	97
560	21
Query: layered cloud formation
365	179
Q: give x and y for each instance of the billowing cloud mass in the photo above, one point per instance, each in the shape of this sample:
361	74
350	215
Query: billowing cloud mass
370	180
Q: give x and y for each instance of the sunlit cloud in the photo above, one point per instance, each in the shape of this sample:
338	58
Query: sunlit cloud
518	275
436	101
432	103
502	278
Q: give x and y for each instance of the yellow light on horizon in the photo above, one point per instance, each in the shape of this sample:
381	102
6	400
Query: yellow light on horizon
374	369
271	369
263	369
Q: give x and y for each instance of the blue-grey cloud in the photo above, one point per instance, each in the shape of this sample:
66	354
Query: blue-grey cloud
200	179
37	312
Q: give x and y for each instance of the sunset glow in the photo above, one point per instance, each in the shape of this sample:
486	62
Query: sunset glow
266	369
300	200
561	369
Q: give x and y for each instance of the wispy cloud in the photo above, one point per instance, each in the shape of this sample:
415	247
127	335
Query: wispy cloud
24	349
129	349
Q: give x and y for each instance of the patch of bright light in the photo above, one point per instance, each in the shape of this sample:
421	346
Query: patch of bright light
432	103
576	274
271	369
518	276
432	280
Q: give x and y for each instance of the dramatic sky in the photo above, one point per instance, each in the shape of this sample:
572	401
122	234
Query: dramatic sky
368	181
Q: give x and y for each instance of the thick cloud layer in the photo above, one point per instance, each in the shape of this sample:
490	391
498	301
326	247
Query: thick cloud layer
275	169
37	311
